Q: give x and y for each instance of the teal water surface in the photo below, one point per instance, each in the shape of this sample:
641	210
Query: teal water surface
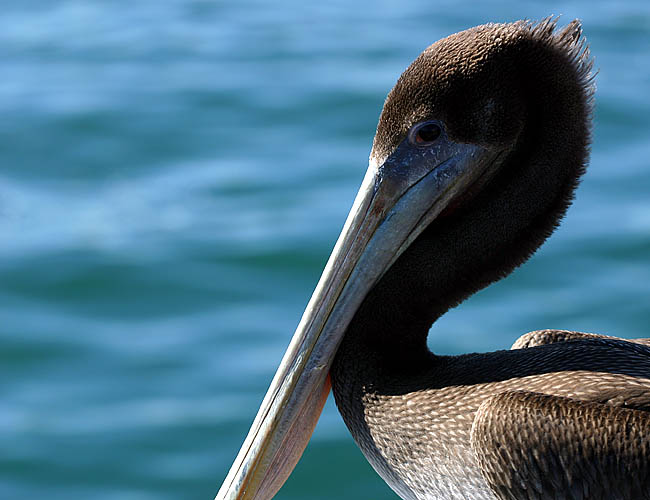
173	176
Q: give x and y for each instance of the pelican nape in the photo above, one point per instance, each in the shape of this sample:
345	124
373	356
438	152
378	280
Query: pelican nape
479	149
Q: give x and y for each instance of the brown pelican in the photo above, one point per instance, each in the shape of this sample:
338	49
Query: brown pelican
478	151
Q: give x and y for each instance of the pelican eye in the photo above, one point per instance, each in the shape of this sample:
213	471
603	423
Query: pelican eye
425	133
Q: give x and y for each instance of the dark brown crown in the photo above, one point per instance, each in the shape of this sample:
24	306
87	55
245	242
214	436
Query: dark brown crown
485	83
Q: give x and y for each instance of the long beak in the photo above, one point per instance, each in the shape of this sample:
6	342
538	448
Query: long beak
396	201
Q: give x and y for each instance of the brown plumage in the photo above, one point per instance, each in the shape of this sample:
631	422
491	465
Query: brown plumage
533	446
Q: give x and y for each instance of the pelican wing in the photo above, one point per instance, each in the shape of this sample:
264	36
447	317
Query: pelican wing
543	337
538	446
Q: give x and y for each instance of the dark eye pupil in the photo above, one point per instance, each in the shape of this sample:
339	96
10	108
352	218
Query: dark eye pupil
428	133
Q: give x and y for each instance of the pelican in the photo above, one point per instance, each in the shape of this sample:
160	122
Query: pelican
478	152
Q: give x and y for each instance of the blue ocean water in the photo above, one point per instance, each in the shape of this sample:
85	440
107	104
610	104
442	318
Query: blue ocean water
173	176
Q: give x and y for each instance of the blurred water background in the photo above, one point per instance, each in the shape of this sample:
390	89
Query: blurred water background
173	176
